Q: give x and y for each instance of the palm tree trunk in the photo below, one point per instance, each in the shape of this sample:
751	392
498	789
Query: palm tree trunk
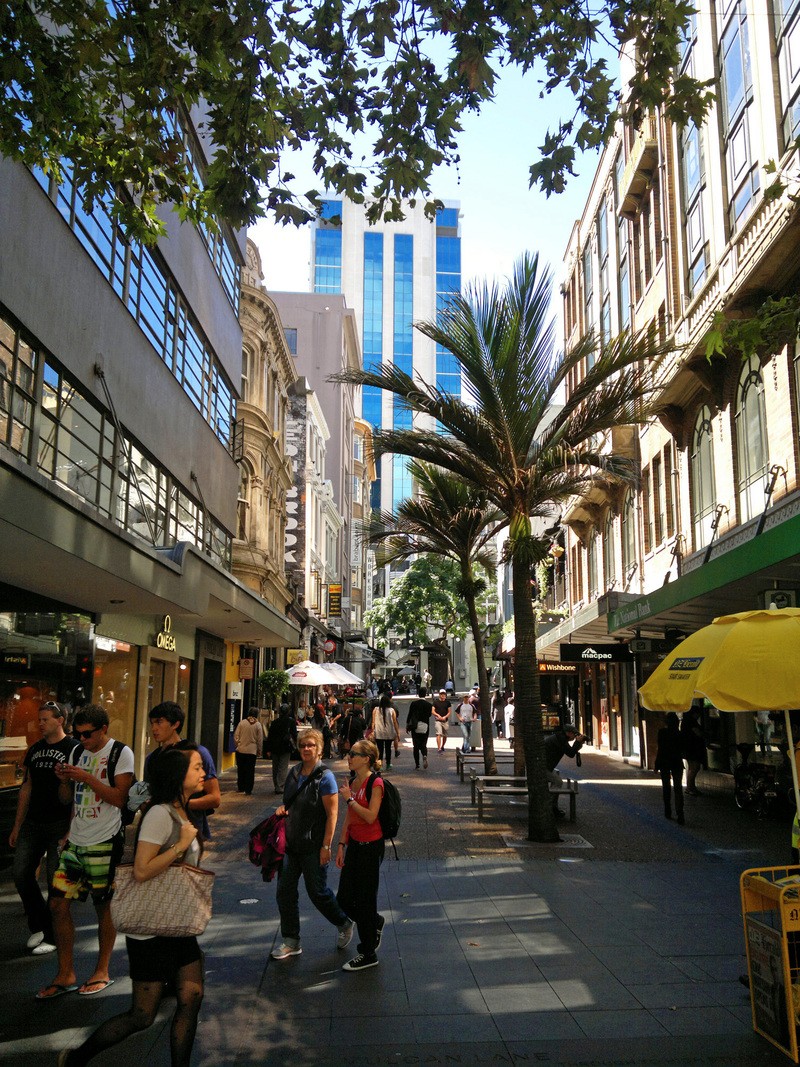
528	731
489	761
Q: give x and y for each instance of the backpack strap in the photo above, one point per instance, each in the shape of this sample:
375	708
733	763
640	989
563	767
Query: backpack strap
313	777
113	760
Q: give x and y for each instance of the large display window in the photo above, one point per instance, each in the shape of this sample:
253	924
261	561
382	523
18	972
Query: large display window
44	655
115	670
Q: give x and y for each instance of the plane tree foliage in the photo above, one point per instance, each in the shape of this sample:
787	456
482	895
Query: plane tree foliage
377	90
426	597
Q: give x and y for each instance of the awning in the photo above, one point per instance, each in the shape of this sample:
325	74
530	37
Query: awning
731	581
58	547
587	624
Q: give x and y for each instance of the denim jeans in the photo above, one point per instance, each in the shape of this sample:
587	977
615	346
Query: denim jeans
466	732
34	840
319	893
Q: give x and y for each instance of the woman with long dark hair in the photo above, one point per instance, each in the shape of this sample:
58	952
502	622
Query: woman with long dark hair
166	836
385	731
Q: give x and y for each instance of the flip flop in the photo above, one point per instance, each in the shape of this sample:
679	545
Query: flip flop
101	983
60	990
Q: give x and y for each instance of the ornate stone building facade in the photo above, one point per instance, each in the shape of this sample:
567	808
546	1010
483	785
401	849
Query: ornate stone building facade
678	236
268	373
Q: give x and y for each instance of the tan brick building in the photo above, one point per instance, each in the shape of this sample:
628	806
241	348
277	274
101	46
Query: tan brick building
677	228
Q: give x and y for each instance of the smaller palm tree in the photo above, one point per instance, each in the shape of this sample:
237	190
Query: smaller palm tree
449	518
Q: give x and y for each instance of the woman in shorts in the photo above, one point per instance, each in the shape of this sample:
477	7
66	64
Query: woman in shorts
166	836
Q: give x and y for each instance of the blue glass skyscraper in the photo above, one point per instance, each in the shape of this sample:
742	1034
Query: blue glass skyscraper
392	275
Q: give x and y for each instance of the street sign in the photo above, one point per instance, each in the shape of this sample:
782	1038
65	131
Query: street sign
330	645
619	653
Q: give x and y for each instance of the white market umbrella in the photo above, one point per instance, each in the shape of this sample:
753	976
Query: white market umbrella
308	673
340	675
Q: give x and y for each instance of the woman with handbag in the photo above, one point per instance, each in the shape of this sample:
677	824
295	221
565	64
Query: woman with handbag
166	837
359	853
385	731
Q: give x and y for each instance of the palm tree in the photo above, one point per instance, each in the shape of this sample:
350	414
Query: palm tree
449	518
508	440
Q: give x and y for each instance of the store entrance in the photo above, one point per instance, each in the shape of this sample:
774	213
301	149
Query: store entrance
161	684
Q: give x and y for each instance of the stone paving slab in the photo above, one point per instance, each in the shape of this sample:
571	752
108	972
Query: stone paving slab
491	954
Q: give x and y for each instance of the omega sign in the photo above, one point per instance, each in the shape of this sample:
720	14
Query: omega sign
165	638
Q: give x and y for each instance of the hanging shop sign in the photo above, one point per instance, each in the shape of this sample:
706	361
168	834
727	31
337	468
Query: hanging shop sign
246	669
165	638
546	667
334	601
295	655
618	653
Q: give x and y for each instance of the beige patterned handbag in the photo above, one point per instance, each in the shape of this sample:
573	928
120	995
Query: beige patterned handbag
176	903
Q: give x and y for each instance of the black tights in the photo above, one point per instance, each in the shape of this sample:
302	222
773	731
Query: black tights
142	1013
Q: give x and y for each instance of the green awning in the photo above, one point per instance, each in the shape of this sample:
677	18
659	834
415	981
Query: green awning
729	581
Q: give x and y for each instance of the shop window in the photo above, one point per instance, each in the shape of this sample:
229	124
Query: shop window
114	688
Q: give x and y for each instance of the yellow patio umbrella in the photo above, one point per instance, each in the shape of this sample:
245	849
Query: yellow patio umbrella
749	661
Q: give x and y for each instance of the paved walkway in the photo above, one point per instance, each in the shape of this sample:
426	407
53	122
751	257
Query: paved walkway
620	946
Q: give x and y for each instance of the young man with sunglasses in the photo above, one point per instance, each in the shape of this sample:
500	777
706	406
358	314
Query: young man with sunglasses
92	850
41	823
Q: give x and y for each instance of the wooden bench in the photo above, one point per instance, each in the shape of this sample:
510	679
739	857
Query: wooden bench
492	779
492	785
463	759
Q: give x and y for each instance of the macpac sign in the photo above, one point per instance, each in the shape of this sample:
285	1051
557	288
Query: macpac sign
595	654
165	638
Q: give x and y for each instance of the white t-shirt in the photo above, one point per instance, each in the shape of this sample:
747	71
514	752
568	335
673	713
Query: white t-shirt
95	820
157	826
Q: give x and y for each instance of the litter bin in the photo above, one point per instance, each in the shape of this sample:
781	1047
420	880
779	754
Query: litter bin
771	917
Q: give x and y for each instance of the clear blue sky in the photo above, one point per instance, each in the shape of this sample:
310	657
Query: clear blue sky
502	218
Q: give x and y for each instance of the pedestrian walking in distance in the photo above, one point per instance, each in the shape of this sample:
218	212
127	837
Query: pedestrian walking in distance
166	836
669	764
281	743
359	853
441	716
249	740
310	826
41	822
385	729
418	724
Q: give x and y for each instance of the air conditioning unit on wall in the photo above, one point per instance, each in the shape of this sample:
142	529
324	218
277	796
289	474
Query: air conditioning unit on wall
778	598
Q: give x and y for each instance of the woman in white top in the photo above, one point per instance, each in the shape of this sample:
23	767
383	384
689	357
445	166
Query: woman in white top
166	836
386	732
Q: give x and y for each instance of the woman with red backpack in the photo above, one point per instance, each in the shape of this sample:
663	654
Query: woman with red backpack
359	853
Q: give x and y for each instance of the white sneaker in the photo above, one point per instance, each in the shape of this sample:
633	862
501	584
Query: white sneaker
345	934
35	939
43	949
286	949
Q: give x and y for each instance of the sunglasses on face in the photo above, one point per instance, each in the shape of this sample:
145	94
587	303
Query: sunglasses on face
83	734
49	706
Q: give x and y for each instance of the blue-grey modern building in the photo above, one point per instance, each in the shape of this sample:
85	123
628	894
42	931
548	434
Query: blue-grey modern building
392	274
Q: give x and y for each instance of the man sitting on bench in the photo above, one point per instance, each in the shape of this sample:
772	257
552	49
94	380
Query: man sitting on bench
566	741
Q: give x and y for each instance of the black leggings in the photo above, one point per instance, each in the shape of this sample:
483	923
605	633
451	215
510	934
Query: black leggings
358	890
142	1013
385	750
420	743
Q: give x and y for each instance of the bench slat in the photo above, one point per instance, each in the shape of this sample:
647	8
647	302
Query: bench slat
480	783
